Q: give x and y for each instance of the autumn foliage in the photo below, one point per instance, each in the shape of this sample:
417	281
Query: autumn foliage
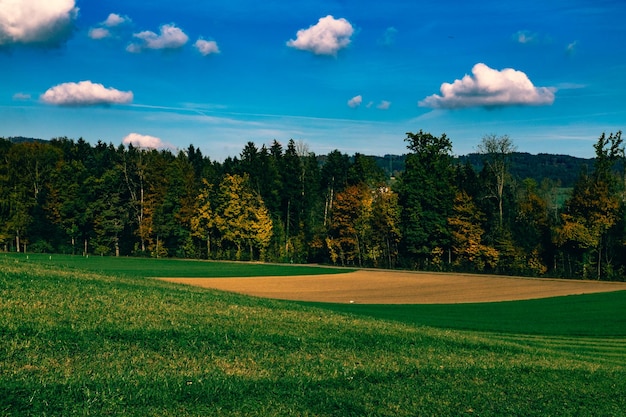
286	204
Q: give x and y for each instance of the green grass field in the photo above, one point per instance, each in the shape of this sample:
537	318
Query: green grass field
92	344
150	267
600	315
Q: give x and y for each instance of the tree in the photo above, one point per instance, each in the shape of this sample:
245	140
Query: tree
291	171
157	221
467	246
108	212
67	200
261	228
593	209
29	169
426	194
531	230
497	151
134	168
364	170
241	216
334	178
385	225
350	227
180	203
203	222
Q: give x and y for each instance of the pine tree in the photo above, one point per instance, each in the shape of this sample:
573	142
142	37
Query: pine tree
426	194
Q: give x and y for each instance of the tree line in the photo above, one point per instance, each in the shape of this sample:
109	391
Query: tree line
286	204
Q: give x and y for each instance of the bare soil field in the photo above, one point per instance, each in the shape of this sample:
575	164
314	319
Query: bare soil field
395	287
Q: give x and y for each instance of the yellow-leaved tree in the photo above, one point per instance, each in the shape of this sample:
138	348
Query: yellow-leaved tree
241	216
467	232
592	213
203	221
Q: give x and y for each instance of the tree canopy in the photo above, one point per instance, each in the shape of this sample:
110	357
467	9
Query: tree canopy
286	204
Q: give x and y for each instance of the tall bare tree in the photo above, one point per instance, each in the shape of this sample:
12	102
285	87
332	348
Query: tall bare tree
497	151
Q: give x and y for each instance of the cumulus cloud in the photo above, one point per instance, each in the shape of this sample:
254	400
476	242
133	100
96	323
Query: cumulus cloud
36	22
103	30
144	141
170	37
115	19
85	93
99	33
384	105
327	37
206	47
487	87
355	101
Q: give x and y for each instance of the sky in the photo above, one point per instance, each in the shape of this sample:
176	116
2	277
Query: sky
351	75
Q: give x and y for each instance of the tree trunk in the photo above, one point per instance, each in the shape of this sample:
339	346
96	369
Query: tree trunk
599	261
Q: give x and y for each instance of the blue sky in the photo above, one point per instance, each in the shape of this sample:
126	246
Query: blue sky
345	74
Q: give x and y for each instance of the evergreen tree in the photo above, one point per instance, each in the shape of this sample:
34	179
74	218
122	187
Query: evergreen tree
426	195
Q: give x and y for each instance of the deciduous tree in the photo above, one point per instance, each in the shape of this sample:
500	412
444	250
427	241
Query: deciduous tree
593	209
465	222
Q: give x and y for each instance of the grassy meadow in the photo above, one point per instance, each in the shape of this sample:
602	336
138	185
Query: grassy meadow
598	315
167	267
104	340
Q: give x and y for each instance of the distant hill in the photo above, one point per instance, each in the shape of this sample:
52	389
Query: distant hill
22	139
562	168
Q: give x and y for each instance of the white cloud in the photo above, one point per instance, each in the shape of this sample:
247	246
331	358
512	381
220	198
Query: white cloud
170	37
115	19
355	101
99	33
487	87
384	105
525	36
144	141
103	30
327	37
206	47
85	93
39	22
21	97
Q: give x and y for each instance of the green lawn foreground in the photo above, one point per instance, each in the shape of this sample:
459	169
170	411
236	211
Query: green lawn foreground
81	343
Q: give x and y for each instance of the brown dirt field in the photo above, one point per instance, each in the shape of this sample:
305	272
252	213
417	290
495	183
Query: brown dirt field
391	287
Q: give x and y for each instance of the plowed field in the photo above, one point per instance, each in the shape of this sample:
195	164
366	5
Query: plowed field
390	287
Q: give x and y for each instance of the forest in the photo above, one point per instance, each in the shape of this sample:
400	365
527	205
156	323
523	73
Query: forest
279	203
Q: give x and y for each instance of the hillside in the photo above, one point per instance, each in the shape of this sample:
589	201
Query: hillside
563	169
78	343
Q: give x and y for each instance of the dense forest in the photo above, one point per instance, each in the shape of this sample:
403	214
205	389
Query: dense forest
427	210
